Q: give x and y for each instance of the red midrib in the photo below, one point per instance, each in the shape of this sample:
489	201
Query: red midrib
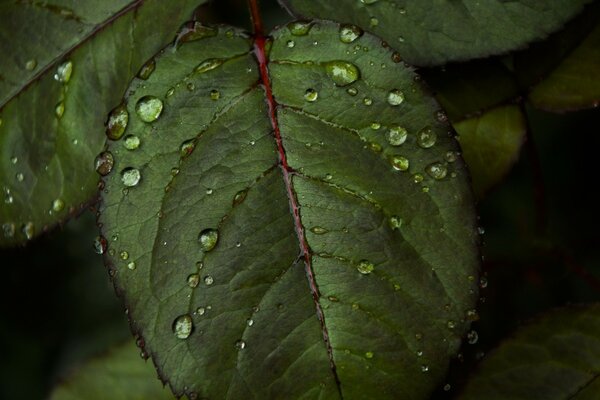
259	51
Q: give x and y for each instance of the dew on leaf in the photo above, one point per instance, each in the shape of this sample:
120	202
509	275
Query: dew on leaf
63	72
131	142
59	110
149	108
104	162
311	95
183	326
20	177
208	239
396	135
395	222
426	138
472	315
197	31
191	86
451	324
395	97
28	229
417	178
200	310
209	65
130	176
369	354
147	70
396	57
290	43
368	1
187	148
375	125
240	345
193	280
436	170
58	205
215	95
30	65
399	163
342	73
472	337
249	322
100	244
8	228
131	265
124	255
349	33
117	122
317	230
424	368
239	197
299	28
352	91
373	22
367	101
208	280
365	267
450	156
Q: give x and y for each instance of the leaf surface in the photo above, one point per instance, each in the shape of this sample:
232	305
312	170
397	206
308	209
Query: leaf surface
337	262
121	374
431	32
556	357
61	69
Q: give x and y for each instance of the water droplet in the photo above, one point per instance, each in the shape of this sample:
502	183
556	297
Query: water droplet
395	222
368	1
58	205
191	86
376	147
299	28
183	326
483	282
373	22
451	324
104	163
208	239
367	101
30	65
117	122
401	39
14	160
196	31
59	110
447	387
441	116
399	163
396	58
375	125
396	135
472	337
187	148
208	280
417	178
342	73
149	108
450	156
239	197
240	344
436	170
63	72
130	176
8	228
395	97
352	91
131	265
250	322
369	354
418	336
311	95
349	33
200	310
147	69
424	368
209	65
290	43
170	92
215	95
472	315
317	230
100	244
193	280
365	267
426	138
131	142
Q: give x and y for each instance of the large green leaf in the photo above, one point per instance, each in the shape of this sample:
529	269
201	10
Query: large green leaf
433	32
556	357
61	69
121	374
212	226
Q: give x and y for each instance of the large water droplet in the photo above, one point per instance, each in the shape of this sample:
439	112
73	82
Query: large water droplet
149	108
209	65
131	142
395	97
147	69
208	239
396	135
436	170
63	72
183	326
117	122
426	138
399	163
342	73
311	95
104	163
365	267
349	33
130	176
299	28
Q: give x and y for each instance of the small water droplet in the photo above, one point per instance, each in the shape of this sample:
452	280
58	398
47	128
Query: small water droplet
317	230
183	326
472	337
418	336
299	28
441	116
352	91
375	125
20	177
349	33
401	39
399	163
373	22
451	324
472	315
447	387
395	222
208	280
239	197
342	73
240	344
63	72
100	244
365	267
396	135
149	108
30	65
14	160
450	156
131	142
117	122
215	95
436	170
193	280
426	138
130	176
424	368
290	43
196	31
200	310
208	239
187	148
368	1
8	228
250	322
58	205
417	178
209	65
147	69
369	354
483	282
104	162
131	265
311	95
395	97
367	101
191	86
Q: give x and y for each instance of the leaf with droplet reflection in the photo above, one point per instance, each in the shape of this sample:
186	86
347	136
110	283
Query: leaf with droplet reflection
61	71
555	357
344	254
431	32
121	374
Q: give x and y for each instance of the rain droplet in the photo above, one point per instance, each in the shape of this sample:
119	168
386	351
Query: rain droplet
299	28
8	228
311	95
369	354
395	222
59	110
131	265
63	72
436	170
30	65
395	97
130	176
191	86
352	91
365	267
417	178
104	163
58	205
451	324
183	326
367	101
483	282
193	280
200	310
396	135
100	244
215	95
349	33
240	344
117	122
147	69
472	315
447	387
399	163
131	142
290	43
373	21
342	73
250	322
396	57
368	1
20	177
239	197
419	353
450	156
426	138
197	31
472	337
209	65
149	108
187	147
317	230
424	368
208	239
208	280
375	125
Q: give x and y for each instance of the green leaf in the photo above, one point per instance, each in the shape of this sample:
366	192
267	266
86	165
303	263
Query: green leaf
430	32
61	70
556	357
211	238
491	144
121	374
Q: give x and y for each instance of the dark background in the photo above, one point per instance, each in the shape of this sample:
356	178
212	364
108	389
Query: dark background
58	307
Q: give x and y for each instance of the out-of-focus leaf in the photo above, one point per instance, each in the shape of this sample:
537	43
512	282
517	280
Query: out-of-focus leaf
121	374
556	357
432	32
61	69
491	144
213	225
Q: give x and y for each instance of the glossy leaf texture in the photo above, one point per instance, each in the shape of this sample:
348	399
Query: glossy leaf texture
61	69
556	357
491	143
431	32
121	374
342	265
